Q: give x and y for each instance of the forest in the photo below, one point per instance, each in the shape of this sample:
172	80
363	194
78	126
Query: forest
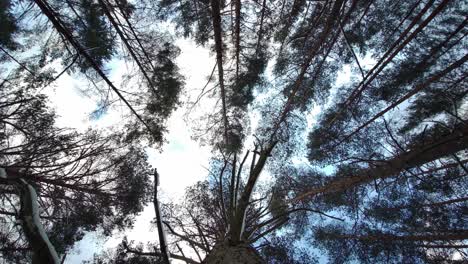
338	130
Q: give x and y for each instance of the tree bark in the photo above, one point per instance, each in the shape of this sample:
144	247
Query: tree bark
162	236
238	254
215	12
419	155
43	250
60	27
238	221
419	87
313	51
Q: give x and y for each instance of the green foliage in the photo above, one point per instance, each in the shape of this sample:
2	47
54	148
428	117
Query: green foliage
193	19
279	250
132	188
95	35
8	24
168	81
242	90
120	255
362	250
278	206
366	150
85	181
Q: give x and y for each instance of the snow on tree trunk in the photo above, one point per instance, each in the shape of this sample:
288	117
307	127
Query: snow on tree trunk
238	254
3	173
43	250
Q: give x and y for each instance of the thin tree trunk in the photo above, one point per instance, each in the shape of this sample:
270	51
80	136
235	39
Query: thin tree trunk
215	12
260	30
238	221
419	87
161	234
313	51
238	14
391	53
434	204
59	26
127	45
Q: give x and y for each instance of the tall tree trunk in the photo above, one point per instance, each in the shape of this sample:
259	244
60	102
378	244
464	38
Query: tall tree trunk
313	51
43	250
396	48
419	155
233	254
125	41
238	220
434	204
238	14
161	234
58	24
260	30
418	88
215	12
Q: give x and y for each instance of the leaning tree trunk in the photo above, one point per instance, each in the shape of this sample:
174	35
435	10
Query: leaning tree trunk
43	251
419	155
233	254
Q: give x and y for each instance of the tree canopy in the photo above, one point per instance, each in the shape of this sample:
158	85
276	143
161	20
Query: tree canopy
338	130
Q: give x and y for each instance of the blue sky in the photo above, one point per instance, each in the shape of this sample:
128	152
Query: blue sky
180	163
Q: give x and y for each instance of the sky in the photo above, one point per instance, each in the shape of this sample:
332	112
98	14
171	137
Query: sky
181	162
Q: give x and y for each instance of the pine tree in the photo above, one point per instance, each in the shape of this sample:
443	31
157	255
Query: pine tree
380	176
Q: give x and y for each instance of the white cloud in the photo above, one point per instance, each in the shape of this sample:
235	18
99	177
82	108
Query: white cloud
180	163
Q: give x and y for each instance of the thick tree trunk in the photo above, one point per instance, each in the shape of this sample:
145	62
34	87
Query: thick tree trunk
419	155
238	254
43	250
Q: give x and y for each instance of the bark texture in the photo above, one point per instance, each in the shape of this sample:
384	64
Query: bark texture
445	145
238	254
43	250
